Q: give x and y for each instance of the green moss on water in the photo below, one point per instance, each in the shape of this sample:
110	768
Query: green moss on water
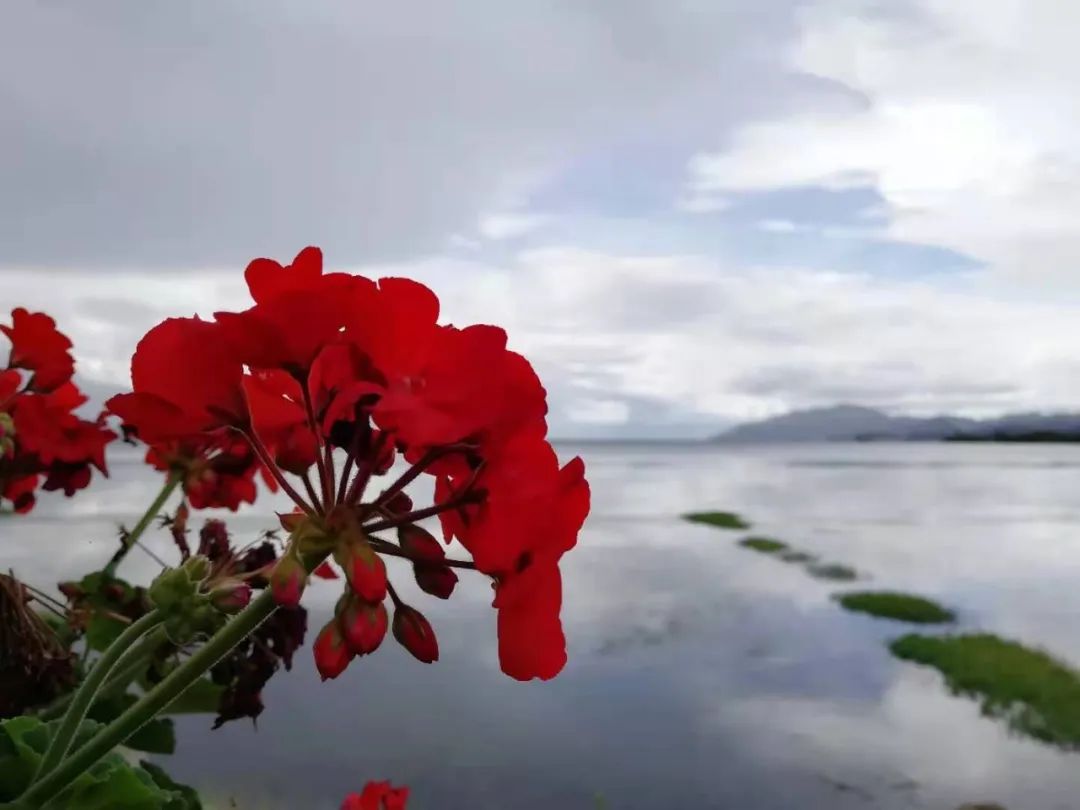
1035	694
833	571
796	556
721	520
766	545
902	607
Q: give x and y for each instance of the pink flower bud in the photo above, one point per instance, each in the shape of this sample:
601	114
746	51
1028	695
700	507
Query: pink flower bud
332	654
364	569
414	633
287	581
231	595
364	626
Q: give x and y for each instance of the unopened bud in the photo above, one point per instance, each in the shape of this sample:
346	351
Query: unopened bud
400	504
364	626
420	545
414	633
197	567
438	580
231	595
71	590
332	654
364	569
287	581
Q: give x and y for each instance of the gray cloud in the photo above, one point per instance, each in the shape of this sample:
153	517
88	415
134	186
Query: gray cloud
203	133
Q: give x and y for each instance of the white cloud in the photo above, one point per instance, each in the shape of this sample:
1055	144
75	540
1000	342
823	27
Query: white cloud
699	339
509	225
970	128
598	412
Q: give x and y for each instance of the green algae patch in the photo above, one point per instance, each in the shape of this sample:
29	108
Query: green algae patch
719	520
766	545
902	607
1035	694
795	556
834	571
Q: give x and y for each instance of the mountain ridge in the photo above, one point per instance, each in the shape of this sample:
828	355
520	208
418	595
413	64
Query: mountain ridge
850	422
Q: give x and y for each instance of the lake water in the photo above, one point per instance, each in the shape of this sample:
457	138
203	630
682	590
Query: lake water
701	675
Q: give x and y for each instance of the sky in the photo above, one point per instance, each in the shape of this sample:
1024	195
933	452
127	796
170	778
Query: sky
686	213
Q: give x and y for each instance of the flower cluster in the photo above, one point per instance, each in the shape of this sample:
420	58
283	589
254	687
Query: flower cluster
377	796
329	369
42	441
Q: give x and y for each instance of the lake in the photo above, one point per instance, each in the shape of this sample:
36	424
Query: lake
701	674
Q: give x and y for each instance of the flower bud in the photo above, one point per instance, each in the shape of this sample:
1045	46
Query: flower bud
363	625
71	590
414	633
400	504
197	567
290	521
288	580
420	545
438	580
231	595
332	654
364	569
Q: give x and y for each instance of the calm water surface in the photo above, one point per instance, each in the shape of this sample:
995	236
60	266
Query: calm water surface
701	675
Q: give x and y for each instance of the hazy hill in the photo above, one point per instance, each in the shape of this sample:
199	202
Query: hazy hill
854	422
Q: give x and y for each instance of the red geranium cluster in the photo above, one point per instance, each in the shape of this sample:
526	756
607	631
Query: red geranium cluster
41	438
377	796
332	378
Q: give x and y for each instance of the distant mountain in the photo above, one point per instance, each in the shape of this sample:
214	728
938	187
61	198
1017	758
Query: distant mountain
856	423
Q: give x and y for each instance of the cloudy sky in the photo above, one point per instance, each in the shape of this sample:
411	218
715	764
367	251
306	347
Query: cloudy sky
686	213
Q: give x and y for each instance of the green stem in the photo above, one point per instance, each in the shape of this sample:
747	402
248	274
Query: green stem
87	691
131	664
153	702
132	537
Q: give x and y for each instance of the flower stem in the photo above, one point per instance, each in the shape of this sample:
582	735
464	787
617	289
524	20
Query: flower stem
388	548
268	462
127	669
153	702
131	538
87	691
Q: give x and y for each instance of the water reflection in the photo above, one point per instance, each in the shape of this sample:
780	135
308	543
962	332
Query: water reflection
700	675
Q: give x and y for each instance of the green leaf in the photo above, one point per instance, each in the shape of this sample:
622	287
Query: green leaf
111	784
163	780
103	630
202	697
156	737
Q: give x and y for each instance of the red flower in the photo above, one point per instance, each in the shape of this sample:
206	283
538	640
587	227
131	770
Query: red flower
217	470
377	796
185	380
331	369
37	346
298	311
42	436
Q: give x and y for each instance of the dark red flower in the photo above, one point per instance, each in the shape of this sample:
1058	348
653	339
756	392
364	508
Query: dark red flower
377	796
185	381
38	347
217	470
